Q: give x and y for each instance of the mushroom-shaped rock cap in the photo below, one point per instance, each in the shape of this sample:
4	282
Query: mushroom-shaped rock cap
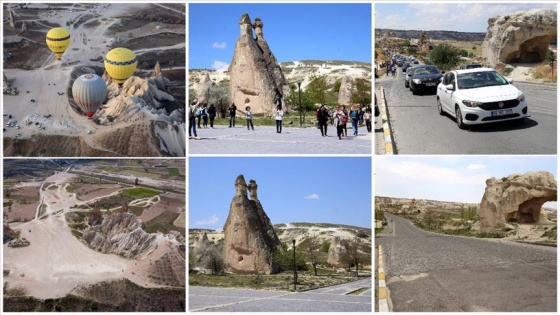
89	91
120	64
58	40
245	26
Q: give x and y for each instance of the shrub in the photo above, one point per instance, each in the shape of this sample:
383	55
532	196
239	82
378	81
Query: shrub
445	56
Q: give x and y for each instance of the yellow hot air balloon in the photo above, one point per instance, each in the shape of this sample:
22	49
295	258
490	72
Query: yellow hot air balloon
120	64
58	40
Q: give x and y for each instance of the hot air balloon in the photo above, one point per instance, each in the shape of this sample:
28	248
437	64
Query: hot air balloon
120	64
89	92
58	40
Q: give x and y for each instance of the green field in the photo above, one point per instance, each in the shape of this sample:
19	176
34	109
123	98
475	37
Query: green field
174	171
164	223
140	192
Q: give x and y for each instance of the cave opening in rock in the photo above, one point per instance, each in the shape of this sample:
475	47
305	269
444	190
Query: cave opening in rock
529	211
532	50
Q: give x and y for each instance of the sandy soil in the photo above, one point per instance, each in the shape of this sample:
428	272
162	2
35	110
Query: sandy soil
56	262
45	84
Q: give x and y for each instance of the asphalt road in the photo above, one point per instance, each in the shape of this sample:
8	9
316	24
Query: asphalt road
440	273
419	129
329	299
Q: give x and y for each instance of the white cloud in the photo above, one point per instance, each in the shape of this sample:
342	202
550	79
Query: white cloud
211	221
312	197
219	45
476	166
220	65
419	179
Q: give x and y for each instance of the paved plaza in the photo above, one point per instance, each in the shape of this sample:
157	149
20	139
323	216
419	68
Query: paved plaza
328	299
292	140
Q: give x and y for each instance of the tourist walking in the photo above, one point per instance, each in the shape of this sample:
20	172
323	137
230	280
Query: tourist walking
249	117
323	118
338	117
355	116
232	112
204	116
345	121
198	114
192	120
211	114
278	113
367	119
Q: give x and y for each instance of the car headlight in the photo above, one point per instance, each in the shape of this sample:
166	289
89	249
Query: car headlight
521	97
416	81
472	103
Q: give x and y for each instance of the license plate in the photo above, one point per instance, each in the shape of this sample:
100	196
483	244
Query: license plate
501	112
430	84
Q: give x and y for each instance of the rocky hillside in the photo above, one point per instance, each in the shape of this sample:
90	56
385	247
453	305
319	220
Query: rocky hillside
121	234
114	296
405	205
295	71
438	35
391	204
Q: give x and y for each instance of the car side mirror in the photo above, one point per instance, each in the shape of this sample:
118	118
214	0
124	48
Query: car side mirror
450	87
510	81
443	72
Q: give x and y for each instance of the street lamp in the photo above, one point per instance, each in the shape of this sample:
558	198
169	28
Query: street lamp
300	120
295	272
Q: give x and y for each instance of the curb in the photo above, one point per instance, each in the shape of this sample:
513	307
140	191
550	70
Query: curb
387	135
384	298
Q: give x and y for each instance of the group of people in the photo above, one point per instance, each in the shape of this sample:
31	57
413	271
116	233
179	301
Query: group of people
339	118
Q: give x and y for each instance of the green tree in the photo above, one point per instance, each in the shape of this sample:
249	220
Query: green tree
219	96
361	93
551	59
445	56
463	53
317	89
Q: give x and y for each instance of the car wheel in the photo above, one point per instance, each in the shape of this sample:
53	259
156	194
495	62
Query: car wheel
405	84
439	108
459	118
413	90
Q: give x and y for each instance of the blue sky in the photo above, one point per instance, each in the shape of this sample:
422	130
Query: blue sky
460	17
451	178
306	189
333	31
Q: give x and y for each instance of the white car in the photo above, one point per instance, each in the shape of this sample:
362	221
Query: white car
480	96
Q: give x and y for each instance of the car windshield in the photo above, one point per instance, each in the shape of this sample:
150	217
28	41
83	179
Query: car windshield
426	70
474	80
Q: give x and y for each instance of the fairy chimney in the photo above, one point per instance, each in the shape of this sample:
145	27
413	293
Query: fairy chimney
249	237
256	78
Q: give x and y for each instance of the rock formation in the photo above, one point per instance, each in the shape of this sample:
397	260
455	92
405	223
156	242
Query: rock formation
516	199
95	217
249	237
203	90
124	207
121	234
256	78
345	91
520	37
337	250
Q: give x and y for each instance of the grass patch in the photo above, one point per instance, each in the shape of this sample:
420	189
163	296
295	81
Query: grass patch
136	210
283	281
544	72
378	230
110	169
450	215
140	192
173	171
163	223
551	234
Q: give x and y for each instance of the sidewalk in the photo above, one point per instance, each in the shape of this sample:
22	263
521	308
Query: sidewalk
292	140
